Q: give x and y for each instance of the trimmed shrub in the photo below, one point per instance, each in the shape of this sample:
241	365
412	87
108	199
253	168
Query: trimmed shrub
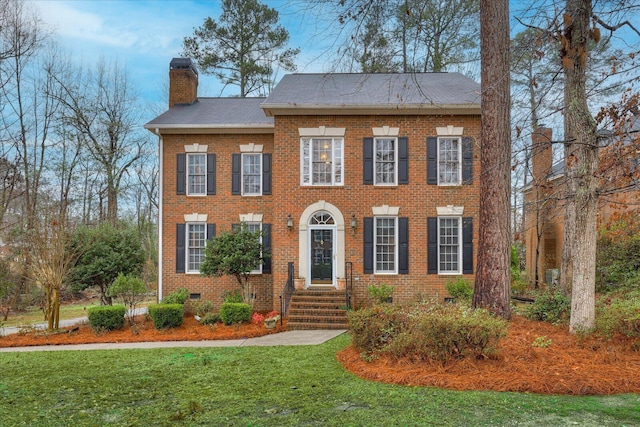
435	332
211	319
204	307
235	312
106	317
620	316
166	315
553	307
381	294
232	296
178	297
460	289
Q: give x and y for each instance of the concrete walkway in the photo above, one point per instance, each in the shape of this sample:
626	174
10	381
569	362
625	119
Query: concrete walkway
308	337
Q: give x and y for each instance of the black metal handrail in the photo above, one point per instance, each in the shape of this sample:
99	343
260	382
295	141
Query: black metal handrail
285	295
348	270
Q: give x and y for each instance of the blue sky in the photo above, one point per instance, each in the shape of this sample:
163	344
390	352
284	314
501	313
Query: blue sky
145	34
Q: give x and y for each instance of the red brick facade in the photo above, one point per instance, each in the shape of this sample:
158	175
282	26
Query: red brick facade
417	201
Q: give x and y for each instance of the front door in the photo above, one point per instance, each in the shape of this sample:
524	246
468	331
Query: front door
322	256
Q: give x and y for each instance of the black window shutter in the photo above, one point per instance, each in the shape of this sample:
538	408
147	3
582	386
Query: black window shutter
368	245
403	160
211	174
180	247
467	160
367	161
266	173
403	247
181	166
432	245
236	169
467	245
432	160
211	231
266	247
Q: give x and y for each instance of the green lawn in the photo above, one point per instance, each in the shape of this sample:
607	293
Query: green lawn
260	386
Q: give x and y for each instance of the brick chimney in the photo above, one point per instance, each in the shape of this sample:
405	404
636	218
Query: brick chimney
541	154
183	82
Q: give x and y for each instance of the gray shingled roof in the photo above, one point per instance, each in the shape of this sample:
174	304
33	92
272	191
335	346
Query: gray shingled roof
214	113
418	91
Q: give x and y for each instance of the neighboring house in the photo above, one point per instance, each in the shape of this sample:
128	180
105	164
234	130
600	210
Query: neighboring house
544	196
356	179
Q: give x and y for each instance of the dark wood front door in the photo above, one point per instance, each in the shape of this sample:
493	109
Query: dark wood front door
321	256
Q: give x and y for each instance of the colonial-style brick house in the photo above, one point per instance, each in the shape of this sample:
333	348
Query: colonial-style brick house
354	179
544	196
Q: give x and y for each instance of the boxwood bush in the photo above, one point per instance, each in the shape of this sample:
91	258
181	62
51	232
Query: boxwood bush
166	315
106	317
235	312
435	332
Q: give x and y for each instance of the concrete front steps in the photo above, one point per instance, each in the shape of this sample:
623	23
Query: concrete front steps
317	309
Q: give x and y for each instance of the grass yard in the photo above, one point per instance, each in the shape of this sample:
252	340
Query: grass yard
260	386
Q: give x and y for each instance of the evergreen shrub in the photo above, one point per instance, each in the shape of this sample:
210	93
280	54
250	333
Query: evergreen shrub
235	312
166	315
106	317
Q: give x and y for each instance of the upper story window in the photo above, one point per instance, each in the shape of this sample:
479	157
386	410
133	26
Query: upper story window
321	161
196	174
449	161
251	174
385	155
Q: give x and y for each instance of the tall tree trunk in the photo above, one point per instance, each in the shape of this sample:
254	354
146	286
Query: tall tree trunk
493	279
581	154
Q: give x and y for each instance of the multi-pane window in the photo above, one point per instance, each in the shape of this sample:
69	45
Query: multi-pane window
449	164
449	239
386	250
197	174
196	243
254	227
385	161
321	161
251	174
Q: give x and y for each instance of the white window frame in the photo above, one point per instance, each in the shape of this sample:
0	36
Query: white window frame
395	161
190	191
249	225
395	245
459	246
441	140
336	151
189	247
243	157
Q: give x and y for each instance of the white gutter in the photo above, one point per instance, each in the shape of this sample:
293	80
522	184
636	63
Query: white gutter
160	212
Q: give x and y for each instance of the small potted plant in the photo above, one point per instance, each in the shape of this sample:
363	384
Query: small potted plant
270	319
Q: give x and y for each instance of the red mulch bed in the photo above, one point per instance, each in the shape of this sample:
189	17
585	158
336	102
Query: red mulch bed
142	331
568	365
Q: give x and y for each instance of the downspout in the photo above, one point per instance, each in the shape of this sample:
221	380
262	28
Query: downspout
160	210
